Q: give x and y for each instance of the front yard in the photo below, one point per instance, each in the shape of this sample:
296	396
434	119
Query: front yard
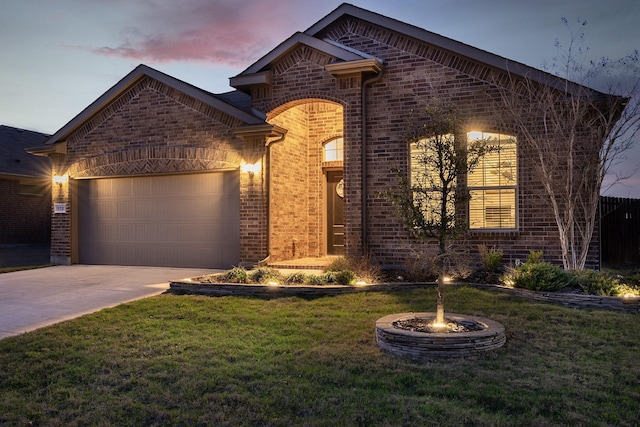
190	360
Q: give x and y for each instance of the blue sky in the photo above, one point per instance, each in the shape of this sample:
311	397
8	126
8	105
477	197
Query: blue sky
58	56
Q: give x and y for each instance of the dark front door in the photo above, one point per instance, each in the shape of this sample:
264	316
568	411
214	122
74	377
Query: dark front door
335	215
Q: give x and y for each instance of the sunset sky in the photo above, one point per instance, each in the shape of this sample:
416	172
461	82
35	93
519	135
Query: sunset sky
58	56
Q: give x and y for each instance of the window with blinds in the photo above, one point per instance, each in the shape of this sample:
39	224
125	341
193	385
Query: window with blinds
493	184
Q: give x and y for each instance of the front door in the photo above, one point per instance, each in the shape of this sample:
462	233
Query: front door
335	213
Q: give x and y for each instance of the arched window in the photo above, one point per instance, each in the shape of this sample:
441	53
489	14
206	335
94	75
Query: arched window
334	150
493	184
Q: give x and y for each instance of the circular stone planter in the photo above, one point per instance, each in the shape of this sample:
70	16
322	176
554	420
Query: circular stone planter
423	346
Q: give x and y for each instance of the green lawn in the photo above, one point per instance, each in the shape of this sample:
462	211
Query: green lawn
185	360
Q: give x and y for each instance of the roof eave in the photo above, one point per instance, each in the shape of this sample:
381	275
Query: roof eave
370	65
261	78
46	150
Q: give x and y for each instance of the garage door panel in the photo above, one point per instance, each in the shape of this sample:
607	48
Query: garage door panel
179	220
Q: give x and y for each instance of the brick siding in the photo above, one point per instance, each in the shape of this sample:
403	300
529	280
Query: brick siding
24	218
151	129
415	74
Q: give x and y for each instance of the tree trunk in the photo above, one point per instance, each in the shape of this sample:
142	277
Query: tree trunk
440	289
440	299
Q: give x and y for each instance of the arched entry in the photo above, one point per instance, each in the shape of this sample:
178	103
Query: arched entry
303	180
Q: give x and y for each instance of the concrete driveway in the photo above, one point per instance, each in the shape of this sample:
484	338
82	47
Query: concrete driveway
32	299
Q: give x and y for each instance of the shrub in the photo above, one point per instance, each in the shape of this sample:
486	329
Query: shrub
264	274
235	275
623	289
296	278
422	267
594	283
491	259
534	256
458	264
344	277
633	278
360	266
338	264
540	276
329	277
597	283
316	279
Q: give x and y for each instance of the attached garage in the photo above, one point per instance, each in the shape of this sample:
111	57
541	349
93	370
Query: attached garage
187	220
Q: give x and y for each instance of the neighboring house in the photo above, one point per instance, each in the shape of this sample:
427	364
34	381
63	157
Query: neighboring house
25	186
292	163
619	231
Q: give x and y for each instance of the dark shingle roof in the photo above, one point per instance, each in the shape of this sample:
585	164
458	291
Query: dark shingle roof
14	160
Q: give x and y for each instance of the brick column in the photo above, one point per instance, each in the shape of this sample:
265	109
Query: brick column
253	212
61	218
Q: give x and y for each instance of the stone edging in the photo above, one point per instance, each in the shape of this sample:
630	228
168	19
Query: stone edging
422	346
182	287
572	300
224	289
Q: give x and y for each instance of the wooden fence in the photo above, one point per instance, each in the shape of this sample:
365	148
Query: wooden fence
620	230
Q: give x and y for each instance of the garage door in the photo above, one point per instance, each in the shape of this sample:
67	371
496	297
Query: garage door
174	220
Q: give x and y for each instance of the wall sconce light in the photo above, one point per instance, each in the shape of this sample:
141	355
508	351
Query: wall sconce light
251	168
60	179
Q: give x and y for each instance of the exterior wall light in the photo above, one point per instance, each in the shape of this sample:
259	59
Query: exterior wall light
60	179
251	168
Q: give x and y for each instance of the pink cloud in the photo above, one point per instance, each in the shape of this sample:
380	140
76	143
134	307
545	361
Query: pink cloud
231	33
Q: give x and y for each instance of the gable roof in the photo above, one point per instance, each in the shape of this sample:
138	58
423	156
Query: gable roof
426	36
14	159
219	102
259	73
253	74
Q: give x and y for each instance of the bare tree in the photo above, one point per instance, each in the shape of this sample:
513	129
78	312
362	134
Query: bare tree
429	198
575	135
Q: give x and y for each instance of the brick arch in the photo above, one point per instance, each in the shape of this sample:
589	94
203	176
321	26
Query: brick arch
155	160
333	136
281	105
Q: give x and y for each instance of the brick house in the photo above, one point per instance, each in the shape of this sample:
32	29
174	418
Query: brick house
25	185
290	164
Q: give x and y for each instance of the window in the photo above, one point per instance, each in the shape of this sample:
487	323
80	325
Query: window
334	150
492	184
425	165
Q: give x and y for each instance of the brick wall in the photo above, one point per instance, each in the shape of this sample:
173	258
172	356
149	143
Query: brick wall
24	218
297	179
151	129
289	183
415	74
